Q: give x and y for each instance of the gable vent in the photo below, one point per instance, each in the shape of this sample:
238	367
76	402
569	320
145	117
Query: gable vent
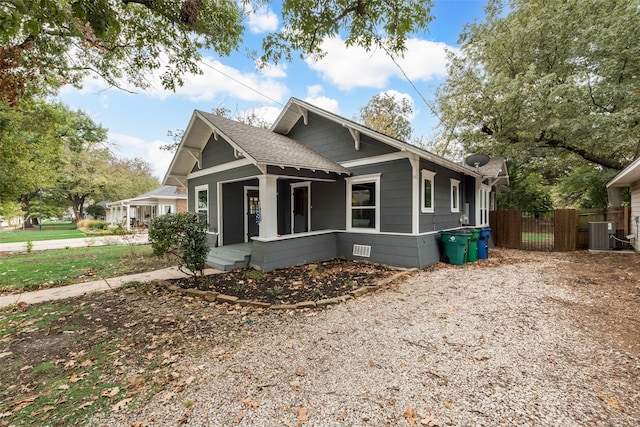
362	250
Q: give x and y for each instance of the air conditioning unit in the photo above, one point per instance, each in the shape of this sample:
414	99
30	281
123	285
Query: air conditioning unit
600	235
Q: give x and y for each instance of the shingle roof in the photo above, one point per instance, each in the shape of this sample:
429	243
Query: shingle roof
271	148
164	191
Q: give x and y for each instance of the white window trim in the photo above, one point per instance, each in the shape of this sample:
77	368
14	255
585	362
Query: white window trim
427	175
375	178
455	199
484	205
197	190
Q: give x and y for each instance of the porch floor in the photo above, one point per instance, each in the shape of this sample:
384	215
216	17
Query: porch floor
228	257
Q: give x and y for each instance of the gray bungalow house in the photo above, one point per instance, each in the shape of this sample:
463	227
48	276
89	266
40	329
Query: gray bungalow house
317	186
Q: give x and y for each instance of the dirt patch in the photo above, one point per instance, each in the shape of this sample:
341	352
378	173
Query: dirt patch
312	282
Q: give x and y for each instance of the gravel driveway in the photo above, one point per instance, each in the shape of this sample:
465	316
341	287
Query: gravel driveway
515	340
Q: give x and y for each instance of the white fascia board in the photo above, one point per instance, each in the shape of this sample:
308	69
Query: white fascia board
627	176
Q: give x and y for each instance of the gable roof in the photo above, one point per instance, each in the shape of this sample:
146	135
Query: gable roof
261	146
627	176
164	192
296	109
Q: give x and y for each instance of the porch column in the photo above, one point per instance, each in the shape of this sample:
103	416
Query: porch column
268	206
414	160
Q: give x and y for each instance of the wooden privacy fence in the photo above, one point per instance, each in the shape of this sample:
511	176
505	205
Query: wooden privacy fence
560	230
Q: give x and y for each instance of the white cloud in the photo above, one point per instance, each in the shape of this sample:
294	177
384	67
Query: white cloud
268	114
353	67
262	20
315	97
129	147
274	71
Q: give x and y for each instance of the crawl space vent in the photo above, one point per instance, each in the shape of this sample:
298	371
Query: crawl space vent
362	250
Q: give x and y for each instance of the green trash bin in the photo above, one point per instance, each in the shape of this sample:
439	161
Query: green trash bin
455	246
472	253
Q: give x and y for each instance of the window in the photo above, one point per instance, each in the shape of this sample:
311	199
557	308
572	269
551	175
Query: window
202	200
363	203
426	196
455	195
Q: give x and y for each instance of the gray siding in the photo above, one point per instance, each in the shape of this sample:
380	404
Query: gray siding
268	256
395	194
211	180
217	153
442	218
394	250
328	205
334	141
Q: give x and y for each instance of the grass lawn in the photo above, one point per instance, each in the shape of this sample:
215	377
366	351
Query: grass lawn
537	237
46	269
63	389
50	231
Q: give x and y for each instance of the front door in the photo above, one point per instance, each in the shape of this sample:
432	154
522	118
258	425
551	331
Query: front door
300	206
252	213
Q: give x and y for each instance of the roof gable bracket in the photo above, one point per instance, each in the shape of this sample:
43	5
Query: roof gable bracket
197	156
304	113
182	180
355	134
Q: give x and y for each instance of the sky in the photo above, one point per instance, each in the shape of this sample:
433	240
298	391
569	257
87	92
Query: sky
342	82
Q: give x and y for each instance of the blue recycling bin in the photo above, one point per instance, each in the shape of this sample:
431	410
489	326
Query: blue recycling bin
483	243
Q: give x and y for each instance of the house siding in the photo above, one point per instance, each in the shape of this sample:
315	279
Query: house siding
635	213
217	153
268	256
334	141
211	180
328	205
442	218
395	194
390	249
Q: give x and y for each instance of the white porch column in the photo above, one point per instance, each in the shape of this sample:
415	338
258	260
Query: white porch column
268	206
127	224
415	193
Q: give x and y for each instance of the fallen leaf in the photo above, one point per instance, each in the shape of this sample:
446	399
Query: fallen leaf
5	354
110	392
63	387
86	404
301	372
121	405
250	404
86	363
295	385
303	416
447	404
23	403
611	401
239	417
73	378
168	396
410	416
6	414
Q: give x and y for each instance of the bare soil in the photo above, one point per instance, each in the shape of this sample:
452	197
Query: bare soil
311	282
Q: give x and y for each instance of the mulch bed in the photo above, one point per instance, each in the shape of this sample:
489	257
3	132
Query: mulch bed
311	282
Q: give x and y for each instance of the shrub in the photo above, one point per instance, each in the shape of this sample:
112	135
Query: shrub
182	236
93	226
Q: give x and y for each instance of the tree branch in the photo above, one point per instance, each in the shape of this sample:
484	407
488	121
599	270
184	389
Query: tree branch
556	143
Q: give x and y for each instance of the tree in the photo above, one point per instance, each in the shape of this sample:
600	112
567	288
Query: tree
56	42
31	140
390	114
555	81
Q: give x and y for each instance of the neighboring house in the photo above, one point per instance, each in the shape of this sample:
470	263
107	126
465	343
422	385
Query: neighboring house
139	211
630	177
318	186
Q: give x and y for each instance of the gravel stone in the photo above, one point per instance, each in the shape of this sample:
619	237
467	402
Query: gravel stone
483	345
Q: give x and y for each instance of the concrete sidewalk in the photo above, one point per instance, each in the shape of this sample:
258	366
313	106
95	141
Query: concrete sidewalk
43	245
95	286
